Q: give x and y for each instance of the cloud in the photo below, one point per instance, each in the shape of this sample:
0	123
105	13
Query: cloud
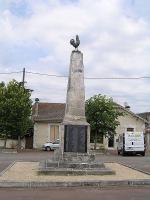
115	40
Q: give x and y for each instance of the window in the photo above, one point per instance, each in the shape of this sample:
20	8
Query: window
120	138
100	139
130	129
56	142
111	141
54	132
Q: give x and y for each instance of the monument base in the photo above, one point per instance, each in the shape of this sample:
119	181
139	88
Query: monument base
74	156
50	167
73	164
75	143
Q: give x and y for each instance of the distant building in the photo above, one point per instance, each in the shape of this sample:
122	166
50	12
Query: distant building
146	116
47	118
129	122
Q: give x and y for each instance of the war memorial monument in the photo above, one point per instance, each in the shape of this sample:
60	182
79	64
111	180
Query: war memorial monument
74	156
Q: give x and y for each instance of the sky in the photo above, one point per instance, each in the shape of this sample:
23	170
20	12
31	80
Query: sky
115	42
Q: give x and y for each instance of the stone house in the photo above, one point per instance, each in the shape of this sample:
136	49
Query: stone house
129	122
47	118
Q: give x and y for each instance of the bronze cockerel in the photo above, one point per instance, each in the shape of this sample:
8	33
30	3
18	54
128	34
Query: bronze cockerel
75	43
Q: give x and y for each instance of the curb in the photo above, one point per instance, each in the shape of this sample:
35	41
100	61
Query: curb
134	168
7	168
101	184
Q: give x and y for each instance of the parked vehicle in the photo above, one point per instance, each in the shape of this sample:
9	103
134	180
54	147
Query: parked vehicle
49	146
131	143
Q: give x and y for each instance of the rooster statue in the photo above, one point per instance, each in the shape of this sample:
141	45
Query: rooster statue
75	43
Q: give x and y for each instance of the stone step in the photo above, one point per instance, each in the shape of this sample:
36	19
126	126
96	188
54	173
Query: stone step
74	165
50	167
75	172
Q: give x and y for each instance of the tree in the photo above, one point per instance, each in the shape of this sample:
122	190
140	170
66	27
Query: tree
102	115
15	110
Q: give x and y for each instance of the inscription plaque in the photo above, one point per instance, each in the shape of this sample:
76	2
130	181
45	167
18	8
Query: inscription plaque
75	138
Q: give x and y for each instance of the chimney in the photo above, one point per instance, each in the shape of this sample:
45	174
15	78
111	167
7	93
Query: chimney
36	106
126	105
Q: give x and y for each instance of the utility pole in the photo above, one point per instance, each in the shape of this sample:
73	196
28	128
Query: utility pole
22	83
23	78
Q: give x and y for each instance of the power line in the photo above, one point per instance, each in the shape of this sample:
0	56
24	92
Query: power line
90	78
107	78
10	72
41	74
118	78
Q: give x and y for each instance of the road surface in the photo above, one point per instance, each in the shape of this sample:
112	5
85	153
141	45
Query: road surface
76	194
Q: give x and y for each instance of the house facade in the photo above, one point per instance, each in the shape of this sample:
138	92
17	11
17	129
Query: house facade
129	122
47	118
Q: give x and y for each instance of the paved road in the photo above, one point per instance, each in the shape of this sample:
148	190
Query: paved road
139	162
76	193
7	158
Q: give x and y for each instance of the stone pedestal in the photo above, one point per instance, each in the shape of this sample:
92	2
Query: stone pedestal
75	143
75	138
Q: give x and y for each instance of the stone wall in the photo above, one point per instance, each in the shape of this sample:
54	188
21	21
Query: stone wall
12	144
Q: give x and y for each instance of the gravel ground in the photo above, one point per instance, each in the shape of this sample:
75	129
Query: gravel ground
27	171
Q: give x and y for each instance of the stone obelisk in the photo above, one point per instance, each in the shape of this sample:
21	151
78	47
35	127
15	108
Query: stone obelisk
75	131
74	157
75	102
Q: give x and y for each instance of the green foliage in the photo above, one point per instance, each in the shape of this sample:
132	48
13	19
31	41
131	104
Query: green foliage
15	109
102	114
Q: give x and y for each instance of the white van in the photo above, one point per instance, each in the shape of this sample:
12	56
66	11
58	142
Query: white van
131	143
